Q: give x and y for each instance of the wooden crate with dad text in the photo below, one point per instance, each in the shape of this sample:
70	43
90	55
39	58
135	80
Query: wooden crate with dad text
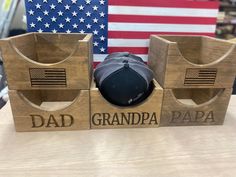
50	110
49	77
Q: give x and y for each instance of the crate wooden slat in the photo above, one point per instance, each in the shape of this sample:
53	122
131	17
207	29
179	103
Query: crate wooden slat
106	115
48	61
183	107
50	110
192	61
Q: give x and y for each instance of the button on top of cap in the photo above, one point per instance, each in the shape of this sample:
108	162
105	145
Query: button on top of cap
126	63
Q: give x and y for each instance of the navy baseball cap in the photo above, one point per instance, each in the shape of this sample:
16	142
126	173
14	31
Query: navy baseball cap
124	79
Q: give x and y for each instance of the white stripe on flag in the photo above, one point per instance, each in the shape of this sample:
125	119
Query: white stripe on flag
149	27
128	42
160	11
101	57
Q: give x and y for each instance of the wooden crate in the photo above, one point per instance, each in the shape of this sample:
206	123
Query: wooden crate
48	61
194	106
106	115
50	110
192	61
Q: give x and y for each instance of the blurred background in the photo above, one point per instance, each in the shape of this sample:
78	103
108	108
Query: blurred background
12	17
13	22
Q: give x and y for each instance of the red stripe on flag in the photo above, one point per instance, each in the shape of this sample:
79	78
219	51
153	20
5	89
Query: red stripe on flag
146	35
167	3
161	19
136	50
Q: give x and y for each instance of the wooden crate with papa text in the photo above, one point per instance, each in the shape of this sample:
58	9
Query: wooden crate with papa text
205	106
50	110
144	115
48	61
192	61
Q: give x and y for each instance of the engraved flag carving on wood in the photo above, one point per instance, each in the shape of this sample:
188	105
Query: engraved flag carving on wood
206	76
47	77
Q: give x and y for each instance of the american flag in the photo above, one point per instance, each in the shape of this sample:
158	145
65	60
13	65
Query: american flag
203	76
50	77
122	25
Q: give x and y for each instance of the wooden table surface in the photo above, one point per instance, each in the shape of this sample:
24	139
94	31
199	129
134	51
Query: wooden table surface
204	151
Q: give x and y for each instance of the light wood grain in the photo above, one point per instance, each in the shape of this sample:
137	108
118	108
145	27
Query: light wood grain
177	60
33	110
199	151
144	115
69	52
209	108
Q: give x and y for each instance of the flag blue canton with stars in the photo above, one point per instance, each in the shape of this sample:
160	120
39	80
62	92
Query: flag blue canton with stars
70	16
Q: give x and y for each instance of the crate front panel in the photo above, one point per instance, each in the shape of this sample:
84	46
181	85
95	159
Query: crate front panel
186	112
106	115
29	117
181	74
73	74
